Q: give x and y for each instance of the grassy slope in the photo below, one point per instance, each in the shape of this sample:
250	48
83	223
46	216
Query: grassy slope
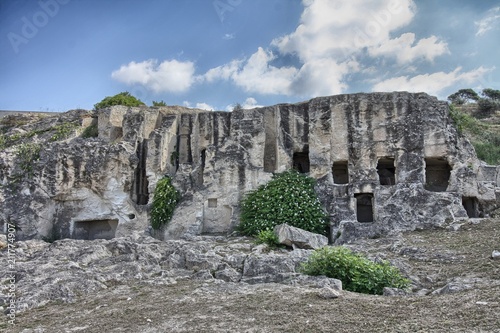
484	133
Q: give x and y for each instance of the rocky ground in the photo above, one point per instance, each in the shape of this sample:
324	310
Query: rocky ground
212	284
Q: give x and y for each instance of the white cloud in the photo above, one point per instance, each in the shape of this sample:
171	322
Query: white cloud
488	22
249	103
338	28
255	74
431	83
405	51
203	106
167	76
322	77
224	72
331	37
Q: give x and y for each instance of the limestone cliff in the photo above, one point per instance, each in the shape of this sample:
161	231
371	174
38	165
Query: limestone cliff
383	162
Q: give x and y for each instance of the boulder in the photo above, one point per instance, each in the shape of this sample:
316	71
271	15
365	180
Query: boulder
328	293
296	237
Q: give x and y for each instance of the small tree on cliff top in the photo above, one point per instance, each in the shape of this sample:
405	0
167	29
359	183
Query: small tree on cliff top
123	98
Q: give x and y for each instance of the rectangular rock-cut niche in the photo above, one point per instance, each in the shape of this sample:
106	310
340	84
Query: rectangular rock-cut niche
437	174
301	161
386	171
471	206
95	229
212	203
340	172
364	207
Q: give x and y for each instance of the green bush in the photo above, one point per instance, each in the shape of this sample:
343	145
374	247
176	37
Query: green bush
288	198
268	237
123	98
164	201
356	272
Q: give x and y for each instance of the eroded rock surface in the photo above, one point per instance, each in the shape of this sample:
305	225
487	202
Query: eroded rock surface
67	269
384	163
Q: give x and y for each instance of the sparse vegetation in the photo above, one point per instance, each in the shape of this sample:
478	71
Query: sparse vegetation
160	103
28	154
484	137
123	98
164	201
237	107
91	131
269	238
288	198
356	272
63	131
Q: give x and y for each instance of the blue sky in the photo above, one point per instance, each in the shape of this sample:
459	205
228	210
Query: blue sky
57	55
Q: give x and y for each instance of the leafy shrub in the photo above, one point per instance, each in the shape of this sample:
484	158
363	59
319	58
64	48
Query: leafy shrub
288	198
486	106
123	98
268	237
91	131
356	272
164	201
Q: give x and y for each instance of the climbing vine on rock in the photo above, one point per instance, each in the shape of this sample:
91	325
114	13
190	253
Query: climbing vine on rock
288	198
164	201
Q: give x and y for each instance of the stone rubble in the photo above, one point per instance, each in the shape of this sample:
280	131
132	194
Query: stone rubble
67	268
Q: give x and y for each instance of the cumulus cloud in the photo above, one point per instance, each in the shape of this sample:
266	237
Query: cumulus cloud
249	103
167	76
202	106
404	50
338	28
256	74
431	83
488	22
329	41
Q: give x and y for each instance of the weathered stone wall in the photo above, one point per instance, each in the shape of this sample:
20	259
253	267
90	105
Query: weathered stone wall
384	162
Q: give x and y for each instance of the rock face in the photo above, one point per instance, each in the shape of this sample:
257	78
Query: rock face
298	238
384	162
